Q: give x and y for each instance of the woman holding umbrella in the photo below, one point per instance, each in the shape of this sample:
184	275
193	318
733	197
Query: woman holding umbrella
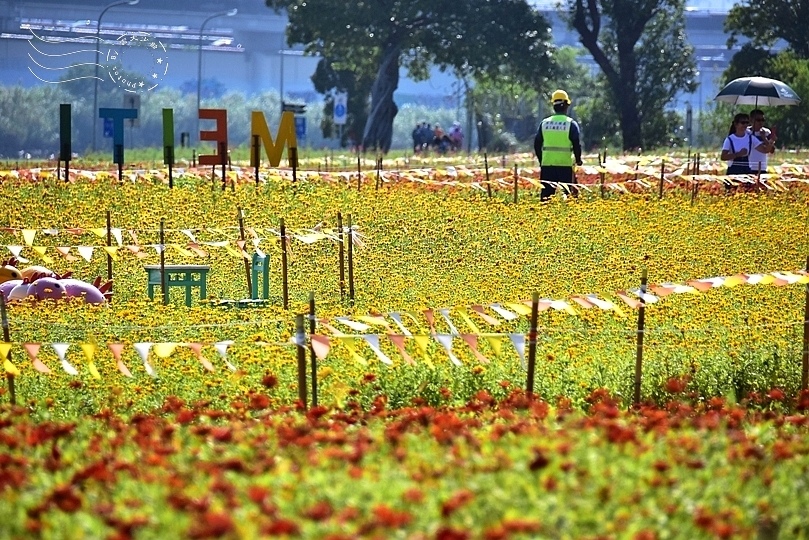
738	145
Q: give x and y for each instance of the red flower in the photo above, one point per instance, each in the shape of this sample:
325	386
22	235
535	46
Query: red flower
675	385
776	394
448	533
259	402
212	524
222	433
269	381
320	511
388	517
413	495
66	499
281	527
458	499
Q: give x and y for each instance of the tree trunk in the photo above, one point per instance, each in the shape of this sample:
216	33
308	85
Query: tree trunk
379	126
627	98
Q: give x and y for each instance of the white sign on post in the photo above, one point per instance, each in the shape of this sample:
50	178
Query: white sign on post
340	108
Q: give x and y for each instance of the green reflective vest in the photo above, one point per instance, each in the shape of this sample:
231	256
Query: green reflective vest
556	147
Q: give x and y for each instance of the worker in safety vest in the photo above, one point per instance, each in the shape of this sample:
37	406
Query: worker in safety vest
557	145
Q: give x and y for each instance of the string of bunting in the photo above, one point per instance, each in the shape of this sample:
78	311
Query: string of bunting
193	248
321	344
644	173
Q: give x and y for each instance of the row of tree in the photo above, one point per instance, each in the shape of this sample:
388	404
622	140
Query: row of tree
504	48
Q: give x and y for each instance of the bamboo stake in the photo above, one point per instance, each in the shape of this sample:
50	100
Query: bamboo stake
532	345
256	157
341	255
293	157
488	183
350	260
359	170
240	216
515	183
805	355
163	284
284	282
223	152
109	257
313	357
300	341
640	332
662	178
7	338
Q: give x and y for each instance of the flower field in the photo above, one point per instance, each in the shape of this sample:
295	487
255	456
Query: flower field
185	421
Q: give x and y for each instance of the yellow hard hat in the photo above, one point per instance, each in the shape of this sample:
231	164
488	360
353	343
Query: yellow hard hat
560	96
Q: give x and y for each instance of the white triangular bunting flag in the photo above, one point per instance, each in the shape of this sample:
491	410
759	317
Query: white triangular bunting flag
222	348
446	341
116	233
16	250
189	233
159	248
86	252
397	318
519	343
61	351
354	325
143	352
373	342
445	313
506	314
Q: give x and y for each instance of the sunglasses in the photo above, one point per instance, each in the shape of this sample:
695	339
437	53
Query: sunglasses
758	119
744	122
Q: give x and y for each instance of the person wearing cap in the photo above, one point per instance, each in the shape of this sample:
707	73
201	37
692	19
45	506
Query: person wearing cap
557	146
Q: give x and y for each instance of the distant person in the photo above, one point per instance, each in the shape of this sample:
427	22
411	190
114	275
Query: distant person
557	146
758	160
440	140
456	136
416	134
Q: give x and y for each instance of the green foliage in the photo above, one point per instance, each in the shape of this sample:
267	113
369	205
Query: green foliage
645	57
504	38
767	21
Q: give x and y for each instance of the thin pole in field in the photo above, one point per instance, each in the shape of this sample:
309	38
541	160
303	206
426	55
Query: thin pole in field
293	157
163	285
532	344
12	393
223	152
640	332
350	260
313	357
341	255
662	178
300	342
256	156
284	276
359	170
240	215
515	183
109	244
805	355
486	166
